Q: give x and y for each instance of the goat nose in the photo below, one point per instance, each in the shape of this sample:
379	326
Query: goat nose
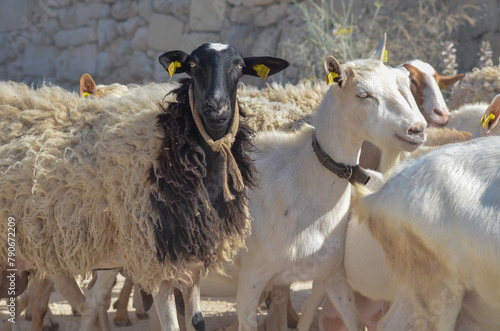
440	115
417	129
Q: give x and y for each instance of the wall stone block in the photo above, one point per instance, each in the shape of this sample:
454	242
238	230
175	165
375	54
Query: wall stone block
165	32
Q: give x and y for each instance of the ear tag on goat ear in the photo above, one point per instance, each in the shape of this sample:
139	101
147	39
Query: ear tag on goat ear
262	70
384	57
330	77
172	67
86	94
487	121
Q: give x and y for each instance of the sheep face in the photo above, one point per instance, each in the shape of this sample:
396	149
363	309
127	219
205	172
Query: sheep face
216	70
382	106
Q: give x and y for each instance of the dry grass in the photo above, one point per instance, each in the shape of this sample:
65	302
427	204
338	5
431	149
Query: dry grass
334	27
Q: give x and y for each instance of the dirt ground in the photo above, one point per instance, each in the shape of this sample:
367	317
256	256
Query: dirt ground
218	312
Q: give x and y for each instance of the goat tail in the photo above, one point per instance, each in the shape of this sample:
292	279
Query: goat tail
359	203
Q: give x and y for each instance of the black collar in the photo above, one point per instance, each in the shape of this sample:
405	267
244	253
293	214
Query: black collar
354	174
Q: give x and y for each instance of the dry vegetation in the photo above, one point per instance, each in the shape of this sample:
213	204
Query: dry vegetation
336	27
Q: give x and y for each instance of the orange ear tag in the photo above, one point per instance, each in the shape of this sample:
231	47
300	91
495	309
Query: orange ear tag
330	77
173	67
262	70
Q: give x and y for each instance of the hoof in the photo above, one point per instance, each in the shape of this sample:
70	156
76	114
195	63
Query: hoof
143	316
122	322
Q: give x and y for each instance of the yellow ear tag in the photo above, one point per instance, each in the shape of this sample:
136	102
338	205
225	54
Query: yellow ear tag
330	77
262	70
172	67
487	121
384	57
86	94
442	86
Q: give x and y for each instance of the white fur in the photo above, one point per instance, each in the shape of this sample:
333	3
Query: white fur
217	46
449	200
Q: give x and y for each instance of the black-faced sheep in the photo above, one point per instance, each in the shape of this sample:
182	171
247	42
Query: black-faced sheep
120	182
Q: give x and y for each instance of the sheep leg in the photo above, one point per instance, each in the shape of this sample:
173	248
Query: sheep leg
121	317
164	302
40	302
276	318
95	305
250	287
191	296
341	295
140	313
310	306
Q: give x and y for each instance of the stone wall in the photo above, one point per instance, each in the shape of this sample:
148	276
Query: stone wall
119	41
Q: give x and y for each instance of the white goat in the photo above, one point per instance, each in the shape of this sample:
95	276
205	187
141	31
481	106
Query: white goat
303	201
437	220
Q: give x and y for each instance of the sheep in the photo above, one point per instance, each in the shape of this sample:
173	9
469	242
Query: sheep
481	85
103	176
435	219
292	180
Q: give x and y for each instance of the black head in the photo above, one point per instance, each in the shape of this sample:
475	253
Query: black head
216	70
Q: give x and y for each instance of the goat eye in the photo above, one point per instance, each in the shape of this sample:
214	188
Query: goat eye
363	95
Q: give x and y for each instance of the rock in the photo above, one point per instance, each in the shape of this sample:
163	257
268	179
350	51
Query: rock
45	34
72	63
7	51
165	32
104	64
81	13
76	37
144	8
162	6
239	15
123	10
12	13
207	15
191	41
38	60
127	28
106	32
119	50
140	39
253	3
141	67
265	44
242	37
269	15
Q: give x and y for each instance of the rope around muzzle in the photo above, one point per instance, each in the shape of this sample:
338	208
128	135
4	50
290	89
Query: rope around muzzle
222	146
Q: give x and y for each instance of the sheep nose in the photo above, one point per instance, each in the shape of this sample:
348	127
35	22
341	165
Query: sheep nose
218	106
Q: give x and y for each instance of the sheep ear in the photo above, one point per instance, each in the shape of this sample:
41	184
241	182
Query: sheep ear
175	62
378	53
334	72
87	85
445	81
263	66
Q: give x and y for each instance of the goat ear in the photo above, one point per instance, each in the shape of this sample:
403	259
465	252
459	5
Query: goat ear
491	116
445	81
87	85
263	66
175	62
334	72
378	53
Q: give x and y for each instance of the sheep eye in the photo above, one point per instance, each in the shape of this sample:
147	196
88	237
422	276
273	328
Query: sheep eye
240	65
192	64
